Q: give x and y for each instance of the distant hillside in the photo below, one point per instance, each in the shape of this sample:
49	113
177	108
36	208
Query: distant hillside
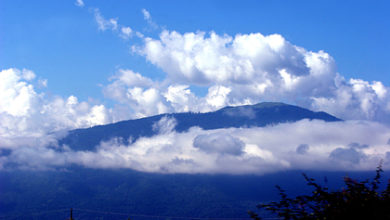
27	194
258	115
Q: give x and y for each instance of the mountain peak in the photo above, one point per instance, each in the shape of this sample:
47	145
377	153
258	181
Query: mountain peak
269	104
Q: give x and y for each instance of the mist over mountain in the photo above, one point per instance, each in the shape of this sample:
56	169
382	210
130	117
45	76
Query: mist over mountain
258	115
236	183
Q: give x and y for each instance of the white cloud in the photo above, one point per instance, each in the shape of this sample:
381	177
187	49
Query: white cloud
126	32
181	99
42	83
27	116
165	125
245	69
16	95
146	14
233	150
356	99
79	3
148	18
201	59
104	24
141	96
146	97
28	75
139	34
250	68
217	96
123	31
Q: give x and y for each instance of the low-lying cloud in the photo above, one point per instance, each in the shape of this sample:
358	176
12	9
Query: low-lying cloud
220	143
233	150
302	149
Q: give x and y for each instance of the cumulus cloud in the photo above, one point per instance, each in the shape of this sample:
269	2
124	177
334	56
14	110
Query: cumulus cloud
249	68
145	97
232	150
245	69
356	98
17	96
148	97
208	59
27	115
141	96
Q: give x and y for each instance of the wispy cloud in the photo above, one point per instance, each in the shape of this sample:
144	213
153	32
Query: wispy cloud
148	18
104	24
123	31
126	32
79	3
146	14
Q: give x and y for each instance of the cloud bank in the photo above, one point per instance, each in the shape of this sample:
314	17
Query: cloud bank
233	150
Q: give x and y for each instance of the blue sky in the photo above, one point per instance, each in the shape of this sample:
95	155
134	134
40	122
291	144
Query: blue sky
61	42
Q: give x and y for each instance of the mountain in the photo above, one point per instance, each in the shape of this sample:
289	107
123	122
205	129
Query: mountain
125	193
258	115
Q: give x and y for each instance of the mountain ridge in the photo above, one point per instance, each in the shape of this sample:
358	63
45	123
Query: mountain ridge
257	115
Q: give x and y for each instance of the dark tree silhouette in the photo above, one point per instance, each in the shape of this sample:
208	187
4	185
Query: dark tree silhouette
358	200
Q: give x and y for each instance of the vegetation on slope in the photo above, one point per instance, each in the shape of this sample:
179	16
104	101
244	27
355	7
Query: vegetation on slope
358	200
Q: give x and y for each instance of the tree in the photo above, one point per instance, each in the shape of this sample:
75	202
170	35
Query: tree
358	200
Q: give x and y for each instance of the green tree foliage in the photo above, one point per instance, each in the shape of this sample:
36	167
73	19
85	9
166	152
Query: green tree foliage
357	200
